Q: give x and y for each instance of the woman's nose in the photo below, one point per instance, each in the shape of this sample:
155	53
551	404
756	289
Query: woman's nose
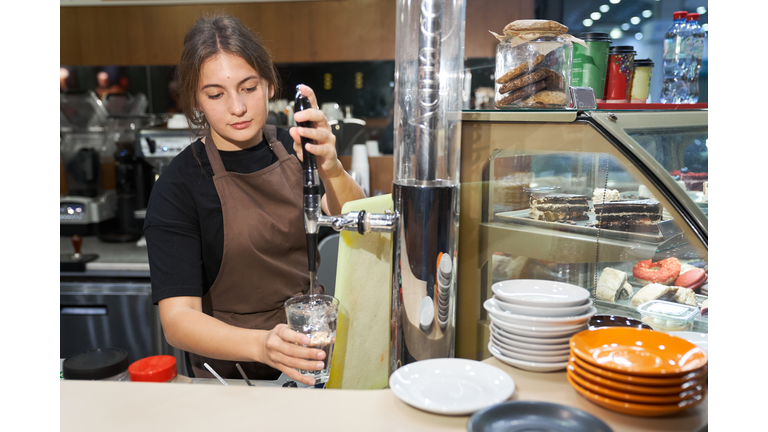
237	106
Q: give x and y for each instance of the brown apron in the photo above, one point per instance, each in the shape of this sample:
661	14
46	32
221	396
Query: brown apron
265	251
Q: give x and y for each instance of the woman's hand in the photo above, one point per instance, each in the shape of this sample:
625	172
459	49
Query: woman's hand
328	164
283	351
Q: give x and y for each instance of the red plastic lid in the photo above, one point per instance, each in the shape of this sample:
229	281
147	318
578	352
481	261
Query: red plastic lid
679	14
159	368
693	16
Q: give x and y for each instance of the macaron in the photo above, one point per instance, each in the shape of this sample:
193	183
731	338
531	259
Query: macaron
691	279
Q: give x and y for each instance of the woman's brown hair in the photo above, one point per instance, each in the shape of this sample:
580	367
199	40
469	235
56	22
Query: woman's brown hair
210	36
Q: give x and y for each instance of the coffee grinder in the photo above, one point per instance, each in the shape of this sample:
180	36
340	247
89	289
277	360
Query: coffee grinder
134	177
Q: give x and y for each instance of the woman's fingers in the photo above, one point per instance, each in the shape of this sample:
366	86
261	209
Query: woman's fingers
319	135
312	115
287	354
307	92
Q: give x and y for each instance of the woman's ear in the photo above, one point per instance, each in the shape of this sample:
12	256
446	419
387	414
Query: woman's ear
271	91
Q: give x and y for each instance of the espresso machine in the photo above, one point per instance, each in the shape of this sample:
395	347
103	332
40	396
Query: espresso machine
86	207
429	73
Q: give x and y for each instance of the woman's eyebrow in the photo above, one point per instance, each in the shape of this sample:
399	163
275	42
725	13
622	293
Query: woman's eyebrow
240	83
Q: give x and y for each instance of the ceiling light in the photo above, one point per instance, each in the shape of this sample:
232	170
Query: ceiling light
625	26
638	36
701	10
587	22
595	15
615	1
705	26
635	20
647	13
616	33
604	8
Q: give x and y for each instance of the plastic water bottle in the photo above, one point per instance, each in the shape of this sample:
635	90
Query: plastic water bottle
676	62
695	46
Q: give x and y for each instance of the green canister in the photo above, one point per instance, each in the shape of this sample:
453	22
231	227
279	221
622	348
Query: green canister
590	63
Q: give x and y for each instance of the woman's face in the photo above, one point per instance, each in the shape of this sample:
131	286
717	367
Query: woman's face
234	99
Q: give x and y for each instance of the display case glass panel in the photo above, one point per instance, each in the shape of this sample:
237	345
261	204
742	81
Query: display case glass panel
529	189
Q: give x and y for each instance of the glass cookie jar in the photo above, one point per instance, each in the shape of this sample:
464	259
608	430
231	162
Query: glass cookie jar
533	73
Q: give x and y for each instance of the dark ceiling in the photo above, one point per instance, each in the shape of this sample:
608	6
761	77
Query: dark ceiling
575	11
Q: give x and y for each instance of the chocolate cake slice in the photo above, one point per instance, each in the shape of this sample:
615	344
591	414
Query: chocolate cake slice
558	207
629	215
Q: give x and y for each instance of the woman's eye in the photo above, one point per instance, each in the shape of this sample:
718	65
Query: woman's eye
252	89
216	96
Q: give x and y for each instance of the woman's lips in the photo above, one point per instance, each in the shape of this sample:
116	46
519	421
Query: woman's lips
241	125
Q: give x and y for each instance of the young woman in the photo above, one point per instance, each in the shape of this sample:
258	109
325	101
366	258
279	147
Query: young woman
224	224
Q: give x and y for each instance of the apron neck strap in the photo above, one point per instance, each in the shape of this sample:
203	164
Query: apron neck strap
213	155
270	134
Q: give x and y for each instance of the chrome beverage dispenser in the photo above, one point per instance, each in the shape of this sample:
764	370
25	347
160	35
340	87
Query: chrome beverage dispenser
429	69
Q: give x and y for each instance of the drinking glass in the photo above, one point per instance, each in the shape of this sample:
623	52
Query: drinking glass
316	316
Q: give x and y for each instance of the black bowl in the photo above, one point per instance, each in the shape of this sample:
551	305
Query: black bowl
600	321
539	416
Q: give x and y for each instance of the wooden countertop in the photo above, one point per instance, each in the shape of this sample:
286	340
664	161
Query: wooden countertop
120	406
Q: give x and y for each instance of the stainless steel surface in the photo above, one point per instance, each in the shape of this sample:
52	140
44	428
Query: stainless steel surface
115	259
160	145
109	315
79	210
121	276
360	221
427	230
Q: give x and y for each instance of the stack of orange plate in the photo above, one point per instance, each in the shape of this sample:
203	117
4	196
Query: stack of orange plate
637	371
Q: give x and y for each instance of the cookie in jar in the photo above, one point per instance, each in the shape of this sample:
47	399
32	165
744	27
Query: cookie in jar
534	59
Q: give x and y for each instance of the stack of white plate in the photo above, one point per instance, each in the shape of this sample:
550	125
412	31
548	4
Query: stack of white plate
533	320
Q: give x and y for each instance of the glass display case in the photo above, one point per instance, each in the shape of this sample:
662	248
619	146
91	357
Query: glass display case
513	161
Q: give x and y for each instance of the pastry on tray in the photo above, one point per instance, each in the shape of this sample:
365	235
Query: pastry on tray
629	215
558	207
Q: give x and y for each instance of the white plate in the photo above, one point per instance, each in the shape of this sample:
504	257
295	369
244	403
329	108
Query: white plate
557	340
536	356
542	293
491	305
527	365
451	386
508	344
538	331
700	339
543	311
524	357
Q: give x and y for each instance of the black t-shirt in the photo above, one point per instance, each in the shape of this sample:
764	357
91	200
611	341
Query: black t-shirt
184	223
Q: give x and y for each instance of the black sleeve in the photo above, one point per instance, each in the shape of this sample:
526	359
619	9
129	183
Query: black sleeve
172	231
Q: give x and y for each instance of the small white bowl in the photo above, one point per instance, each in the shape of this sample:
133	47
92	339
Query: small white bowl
532	358
535	332
542	293
527	348
502	343
491	305
543	311
527	365
556	341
